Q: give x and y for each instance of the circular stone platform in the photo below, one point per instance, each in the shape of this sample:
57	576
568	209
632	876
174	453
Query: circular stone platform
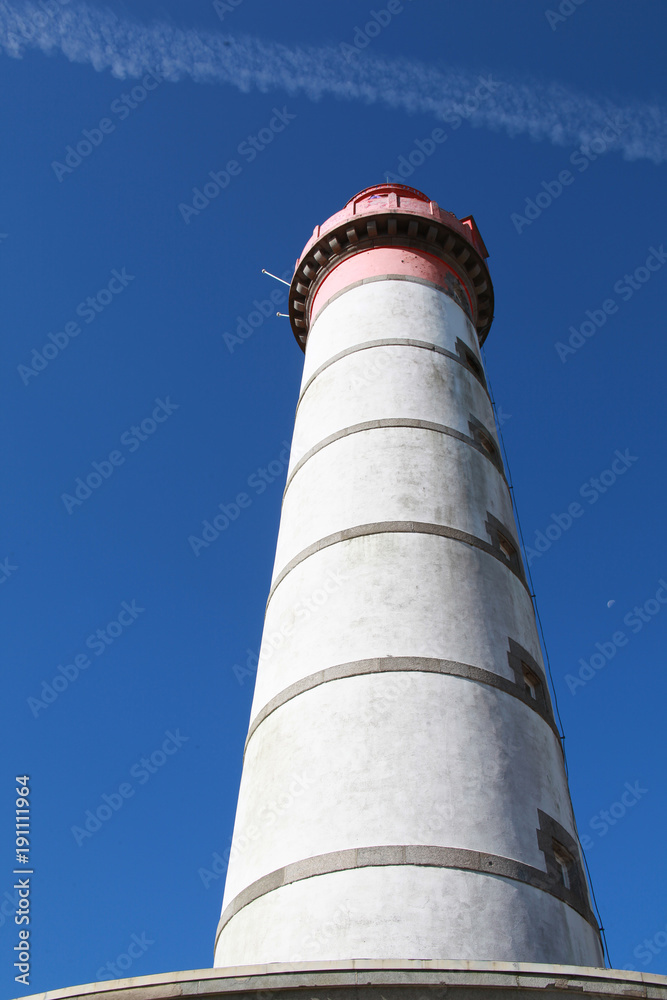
378	980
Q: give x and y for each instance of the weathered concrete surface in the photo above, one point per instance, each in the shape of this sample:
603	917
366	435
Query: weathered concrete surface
390	979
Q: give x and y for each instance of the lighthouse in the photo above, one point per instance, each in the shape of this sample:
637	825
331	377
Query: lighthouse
403	782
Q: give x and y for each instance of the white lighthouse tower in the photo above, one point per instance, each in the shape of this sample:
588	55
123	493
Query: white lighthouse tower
403	794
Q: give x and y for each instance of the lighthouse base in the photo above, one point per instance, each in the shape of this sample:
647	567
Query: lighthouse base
378	980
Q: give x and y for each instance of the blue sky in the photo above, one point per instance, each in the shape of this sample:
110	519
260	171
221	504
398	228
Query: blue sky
139	300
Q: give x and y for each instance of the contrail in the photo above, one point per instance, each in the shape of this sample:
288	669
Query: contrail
552	113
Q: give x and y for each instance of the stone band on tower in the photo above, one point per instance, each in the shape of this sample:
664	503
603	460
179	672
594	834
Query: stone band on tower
403	781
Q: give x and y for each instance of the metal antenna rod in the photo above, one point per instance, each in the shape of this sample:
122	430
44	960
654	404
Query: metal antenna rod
264	271
283	314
